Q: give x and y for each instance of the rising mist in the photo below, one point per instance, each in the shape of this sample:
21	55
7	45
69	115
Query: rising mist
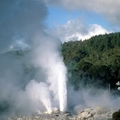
22	28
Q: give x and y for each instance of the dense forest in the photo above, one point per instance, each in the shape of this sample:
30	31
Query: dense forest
93	62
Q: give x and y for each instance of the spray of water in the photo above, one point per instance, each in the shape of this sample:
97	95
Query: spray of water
48	58
62	89
40	92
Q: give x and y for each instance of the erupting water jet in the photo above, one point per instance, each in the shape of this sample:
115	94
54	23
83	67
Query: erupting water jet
62	91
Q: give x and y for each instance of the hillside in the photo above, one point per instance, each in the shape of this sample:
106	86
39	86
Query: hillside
94	62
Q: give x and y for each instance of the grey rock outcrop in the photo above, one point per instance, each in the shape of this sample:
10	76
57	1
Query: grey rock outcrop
87	114
95	114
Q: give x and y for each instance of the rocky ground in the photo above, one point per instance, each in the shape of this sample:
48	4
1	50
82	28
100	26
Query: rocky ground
87	114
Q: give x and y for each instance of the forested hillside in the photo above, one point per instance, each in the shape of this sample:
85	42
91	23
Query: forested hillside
94	62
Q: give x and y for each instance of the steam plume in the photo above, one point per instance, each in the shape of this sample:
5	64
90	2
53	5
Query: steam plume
22	27
52	63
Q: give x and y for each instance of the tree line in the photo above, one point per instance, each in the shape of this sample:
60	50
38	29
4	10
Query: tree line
96	60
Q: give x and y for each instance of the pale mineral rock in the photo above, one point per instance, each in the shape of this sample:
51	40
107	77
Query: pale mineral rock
87	114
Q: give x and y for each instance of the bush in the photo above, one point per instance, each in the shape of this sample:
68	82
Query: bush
116	115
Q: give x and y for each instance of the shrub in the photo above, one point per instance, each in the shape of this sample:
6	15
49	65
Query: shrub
116	115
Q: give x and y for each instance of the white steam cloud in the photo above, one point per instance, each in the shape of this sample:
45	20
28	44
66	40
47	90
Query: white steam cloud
76	30
25	91
92	98
52	64
40	92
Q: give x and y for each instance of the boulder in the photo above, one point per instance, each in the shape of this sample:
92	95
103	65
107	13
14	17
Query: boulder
95	114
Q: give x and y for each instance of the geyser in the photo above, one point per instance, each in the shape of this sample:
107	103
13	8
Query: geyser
36	80
62	89
48	57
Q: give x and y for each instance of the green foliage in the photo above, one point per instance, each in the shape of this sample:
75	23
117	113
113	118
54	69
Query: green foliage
116	115
98	57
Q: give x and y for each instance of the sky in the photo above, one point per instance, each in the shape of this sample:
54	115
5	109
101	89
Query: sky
81	19
64	19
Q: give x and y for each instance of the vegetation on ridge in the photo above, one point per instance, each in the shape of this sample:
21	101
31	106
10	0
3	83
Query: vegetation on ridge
96	60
